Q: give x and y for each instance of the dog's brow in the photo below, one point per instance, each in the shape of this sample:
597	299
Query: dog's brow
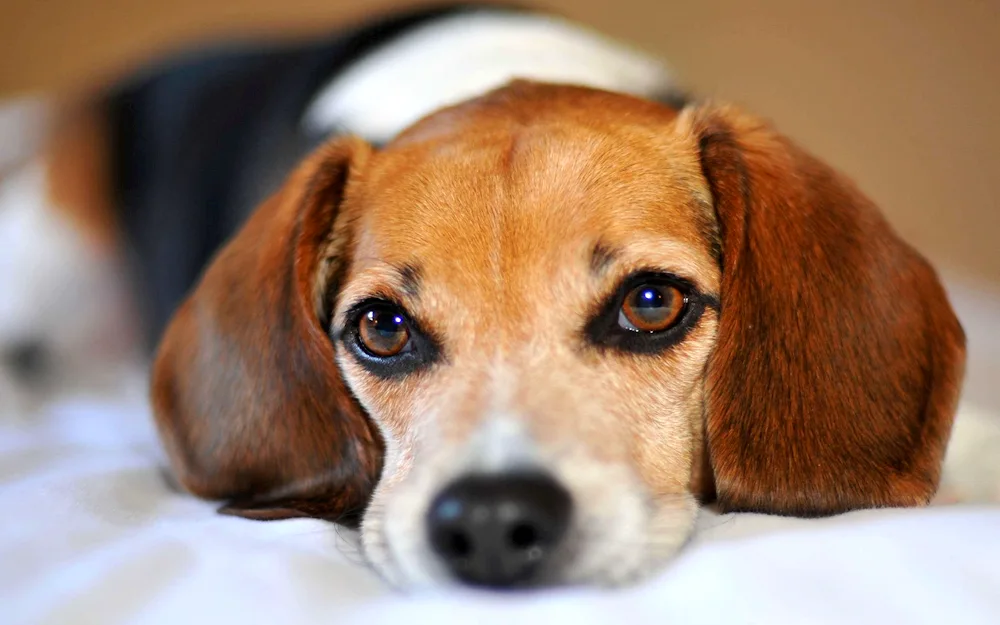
409	280
601	256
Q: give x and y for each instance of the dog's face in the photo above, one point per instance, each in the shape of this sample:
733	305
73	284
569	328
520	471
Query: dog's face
513	305
537	328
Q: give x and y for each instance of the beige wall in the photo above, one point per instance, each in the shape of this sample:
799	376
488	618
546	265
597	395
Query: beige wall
902	94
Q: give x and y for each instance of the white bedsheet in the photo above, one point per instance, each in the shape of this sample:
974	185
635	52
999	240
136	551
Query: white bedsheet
91	534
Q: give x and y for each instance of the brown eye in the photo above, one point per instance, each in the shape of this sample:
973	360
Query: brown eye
651	308
383	332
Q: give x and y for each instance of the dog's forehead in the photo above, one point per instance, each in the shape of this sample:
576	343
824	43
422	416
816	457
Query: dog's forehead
486	188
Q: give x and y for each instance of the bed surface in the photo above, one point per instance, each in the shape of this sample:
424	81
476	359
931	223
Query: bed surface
93	534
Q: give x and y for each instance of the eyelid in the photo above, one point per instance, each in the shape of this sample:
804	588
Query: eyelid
666	256
639	277
372	301
689	287
360	303
363	302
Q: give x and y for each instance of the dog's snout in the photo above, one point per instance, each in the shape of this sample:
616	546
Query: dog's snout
498	530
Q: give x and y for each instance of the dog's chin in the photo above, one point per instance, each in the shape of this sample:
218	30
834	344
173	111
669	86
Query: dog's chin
627	546
620	537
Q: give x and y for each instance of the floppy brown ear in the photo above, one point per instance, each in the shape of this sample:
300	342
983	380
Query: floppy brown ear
839	360
247	397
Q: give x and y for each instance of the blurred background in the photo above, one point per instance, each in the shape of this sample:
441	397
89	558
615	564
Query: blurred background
903	95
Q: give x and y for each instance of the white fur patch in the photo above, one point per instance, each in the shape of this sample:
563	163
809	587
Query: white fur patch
37	249
453	59
54	287
23	128
501	444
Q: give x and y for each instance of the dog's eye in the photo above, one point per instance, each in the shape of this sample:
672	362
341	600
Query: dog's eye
651	308
386	340
650	312
383	332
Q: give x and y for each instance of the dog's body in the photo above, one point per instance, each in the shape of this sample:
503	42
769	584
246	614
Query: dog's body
525	336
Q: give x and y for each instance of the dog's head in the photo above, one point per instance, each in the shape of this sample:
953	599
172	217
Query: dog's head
532	333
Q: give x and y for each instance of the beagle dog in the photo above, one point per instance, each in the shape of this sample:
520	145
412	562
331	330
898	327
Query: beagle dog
524	339
520	339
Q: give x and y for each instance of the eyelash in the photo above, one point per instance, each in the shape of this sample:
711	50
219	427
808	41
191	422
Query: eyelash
603	330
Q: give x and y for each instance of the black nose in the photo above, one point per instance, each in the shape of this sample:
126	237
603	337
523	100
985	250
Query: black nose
498	530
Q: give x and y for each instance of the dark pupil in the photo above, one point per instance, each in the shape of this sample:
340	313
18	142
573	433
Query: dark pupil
386	324
649	306
648	298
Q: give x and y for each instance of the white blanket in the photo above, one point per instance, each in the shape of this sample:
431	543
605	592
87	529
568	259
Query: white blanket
92	534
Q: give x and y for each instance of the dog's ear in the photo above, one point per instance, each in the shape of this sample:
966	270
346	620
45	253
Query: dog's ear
839	360
246	393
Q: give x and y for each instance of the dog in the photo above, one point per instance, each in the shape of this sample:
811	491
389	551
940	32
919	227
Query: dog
518	332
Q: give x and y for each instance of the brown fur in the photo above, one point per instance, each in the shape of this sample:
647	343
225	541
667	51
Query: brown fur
827	382
247	397
839	361
77	172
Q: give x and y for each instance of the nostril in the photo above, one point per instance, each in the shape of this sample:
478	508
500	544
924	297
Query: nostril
523	536
457	544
